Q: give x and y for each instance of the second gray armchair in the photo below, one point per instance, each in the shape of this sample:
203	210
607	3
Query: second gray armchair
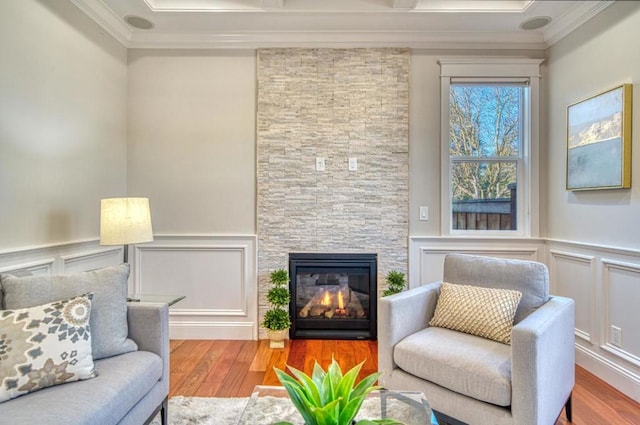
473	379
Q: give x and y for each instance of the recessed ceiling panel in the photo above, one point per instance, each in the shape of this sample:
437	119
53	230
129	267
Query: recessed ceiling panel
446	24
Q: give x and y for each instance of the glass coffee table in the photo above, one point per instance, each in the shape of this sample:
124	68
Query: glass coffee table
268	405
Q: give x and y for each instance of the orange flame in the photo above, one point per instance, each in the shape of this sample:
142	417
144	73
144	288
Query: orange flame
326	298
340	300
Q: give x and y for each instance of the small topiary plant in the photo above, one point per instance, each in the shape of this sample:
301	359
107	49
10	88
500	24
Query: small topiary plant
395	283
277	317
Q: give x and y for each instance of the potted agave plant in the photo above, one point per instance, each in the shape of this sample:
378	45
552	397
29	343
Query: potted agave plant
330	398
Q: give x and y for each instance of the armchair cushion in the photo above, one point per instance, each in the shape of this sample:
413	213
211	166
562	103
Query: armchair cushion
529	277
485	312
470	365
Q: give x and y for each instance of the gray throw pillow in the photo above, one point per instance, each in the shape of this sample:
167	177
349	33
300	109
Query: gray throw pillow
108	322
18	273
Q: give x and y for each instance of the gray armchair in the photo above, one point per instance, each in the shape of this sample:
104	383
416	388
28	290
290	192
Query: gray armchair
476	380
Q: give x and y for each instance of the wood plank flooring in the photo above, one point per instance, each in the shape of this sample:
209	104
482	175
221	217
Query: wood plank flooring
220	368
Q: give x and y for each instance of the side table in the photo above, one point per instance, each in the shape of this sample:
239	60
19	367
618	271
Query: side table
152	298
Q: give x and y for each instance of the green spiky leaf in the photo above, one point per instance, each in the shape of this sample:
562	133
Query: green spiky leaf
329	397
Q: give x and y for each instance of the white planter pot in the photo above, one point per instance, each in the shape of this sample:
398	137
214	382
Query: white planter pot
276	338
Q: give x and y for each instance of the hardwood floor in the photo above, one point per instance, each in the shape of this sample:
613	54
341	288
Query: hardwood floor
219	368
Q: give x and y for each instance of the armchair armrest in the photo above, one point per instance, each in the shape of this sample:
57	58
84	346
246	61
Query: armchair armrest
149	328
543	362
401	315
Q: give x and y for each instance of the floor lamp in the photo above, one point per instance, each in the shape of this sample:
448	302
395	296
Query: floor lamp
124	221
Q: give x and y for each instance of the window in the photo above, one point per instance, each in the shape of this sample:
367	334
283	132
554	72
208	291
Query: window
487	150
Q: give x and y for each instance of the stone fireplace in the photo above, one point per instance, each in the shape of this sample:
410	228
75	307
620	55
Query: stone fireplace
337	105
333	296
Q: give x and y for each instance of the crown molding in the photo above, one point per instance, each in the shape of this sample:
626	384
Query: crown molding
564	25
454	40
106	18
341	39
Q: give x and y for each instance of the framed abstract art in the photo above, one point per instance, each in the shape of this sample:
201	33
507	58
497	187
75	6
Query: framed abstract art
599	141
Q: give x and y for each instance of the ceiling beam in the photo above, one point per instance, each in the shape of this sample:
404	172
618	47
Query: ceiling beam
272	4
405	4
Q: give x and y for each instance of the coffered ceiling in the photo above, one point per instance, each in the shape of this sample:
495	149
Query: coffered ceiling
446	24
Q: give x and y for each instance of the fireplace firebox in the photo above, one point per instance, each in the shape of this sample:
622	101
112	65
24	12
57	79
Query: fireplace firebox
333	296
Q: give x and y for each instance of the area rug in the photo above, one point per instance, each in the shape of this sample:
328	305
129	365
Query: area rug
204	411
227	411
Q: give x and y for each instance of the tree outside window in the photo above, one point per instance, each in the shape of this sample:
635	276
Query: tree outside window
485	148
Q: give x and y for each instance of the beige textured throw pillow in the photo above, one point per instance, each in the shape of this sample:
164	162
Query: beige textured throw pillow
485	312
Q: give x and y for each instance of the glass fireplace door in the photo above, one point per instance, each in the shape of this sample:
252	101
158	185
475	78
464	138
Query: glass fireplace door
333	299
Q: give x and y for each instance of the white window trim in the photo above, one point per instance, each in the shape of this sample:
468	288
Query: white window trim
529	187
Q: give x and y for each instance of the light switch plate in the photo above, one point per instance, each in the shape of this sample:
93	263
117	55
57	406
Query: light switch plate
424	213
320	165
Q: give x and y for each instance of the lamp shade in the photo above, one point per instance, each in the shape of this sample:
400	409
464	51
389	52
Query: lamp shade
124	221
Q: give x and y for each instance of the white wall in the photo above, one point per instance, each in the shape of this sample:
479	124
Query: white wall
63	85
192	139
424	132
192	151
595	58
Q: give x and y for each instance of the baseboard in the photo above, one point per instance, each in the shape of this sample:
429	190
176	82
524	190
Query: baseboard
212	330
610	372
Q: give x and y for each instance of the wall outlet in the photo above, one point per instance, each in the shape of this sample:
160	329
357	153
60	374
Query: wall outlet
320	164
616	336
353	164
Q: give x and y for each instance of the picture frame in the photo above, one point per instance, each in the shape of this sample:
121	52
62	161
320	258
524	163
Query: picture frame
599	141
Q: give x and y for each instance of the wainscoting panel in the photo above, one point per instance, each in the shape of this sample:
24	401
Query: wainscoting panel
621	295
37	267
91	260
217	274
573	275
61	258
605	284
426	255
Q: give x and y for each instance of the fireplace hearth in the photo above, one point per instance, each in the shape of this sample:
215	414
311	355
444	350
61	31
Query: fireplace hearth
333	296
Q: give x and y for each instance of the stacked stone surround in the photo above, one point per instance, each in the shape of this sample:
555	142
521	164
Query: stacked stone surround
334	104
